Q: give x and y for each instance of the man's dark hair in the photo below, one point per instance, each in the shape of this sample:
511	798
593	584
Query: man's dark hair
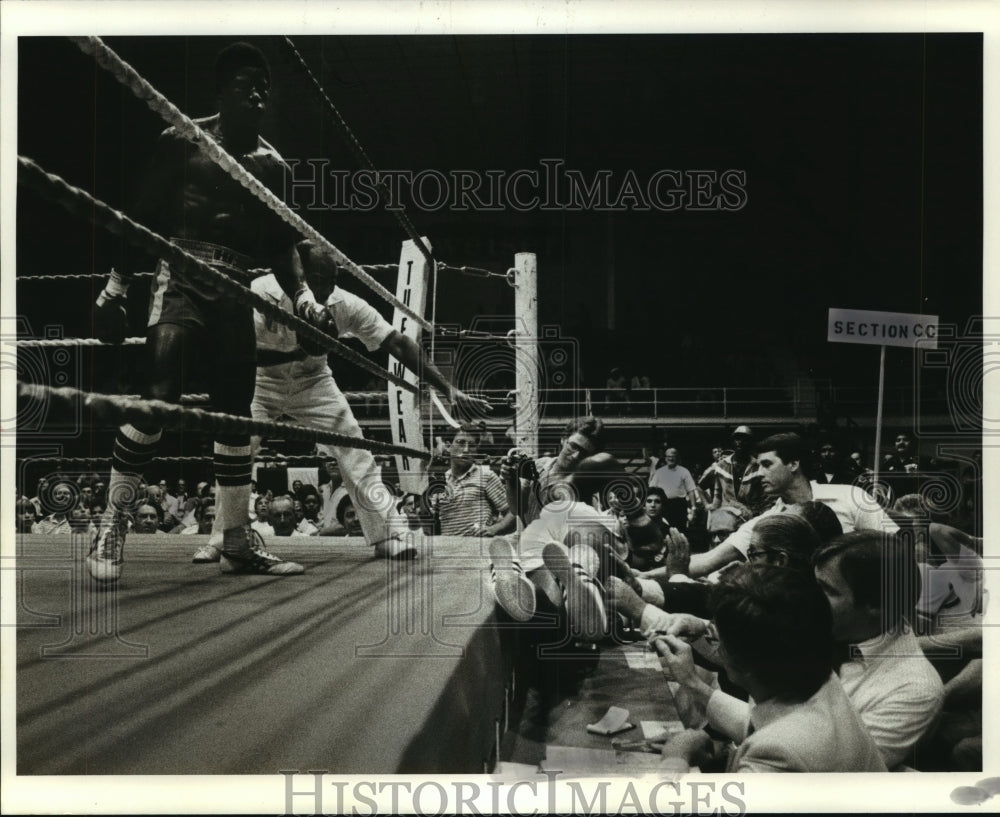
308	489
789	446
155	507
775	624
881	571
467	428
342	506
823	519
236	56
590	427
656	490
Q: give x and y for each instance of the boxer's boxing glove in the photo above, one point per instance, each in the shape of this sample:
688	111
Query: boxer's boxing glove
110	315
315	314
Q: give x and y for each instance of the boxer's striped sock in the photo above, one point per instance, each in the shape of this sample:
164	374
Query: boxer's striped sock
233	466
132	453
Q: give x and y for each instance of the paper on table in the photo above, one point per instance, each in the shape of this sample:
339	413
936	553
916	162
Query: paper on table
660	730
615	720
642	659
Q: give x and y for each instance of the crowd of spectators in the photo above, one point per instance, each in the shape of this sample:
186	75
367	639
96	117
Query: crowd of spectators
761	584
808	618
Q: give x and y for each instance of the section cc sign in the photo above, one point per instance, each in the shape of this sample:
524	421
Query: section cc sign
882	328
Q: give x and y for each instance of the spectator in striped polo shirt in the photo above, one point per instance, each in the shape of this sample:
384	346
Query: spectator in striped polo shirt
474	501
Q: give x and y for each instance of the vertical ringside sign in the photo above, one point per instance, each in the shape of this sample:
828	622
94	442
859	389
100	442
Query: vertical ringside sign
404	408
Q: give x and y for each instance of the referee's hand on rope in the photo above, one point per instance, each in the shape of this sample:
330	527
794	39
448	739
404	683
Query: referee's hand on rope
466	404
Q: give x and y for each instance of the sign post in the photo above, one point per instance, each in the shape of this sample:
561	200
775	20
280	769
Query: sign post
881	329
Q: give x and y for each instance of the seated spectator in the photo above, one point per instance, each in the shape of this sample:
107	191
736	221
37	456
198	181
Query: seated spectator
781	540
86	494
41	497
474	501
891	684
81	521
774	638
62	501
655	500
822	518
348	518
957	743
261	508
167	511
784	540
148	518
189	516
650	551
418	516
721	522
311	504
100	497
204	518
262	512
331	488
25	515
282	517
951	569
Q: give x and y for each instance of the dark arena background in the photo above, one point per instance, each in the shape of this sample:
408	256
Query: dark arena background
696	203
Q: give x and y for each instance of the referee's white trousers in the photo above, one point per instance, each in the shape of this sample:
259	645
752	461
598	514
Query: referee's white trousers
305	392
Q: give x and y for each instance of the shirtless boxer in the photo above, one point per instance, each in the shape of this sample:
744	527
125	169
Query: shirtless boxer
189	198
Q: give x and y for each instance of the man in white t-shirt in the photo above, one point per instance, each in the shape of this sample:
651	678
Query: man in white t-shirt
679	488
294	380
780	462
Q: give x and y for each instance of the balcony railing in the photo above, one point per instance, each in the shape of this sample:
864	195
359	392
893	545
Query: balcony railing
802	402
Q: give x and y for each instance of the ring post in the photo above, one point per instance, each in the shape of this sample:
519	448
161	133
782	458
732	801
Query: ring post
526	352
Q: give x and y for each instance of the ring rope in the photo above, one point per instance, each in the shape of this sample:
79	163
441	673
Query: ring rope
81	203
476	272
32	343
129	77
292	459
204	398
359	152
115	409
39	343
81	275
